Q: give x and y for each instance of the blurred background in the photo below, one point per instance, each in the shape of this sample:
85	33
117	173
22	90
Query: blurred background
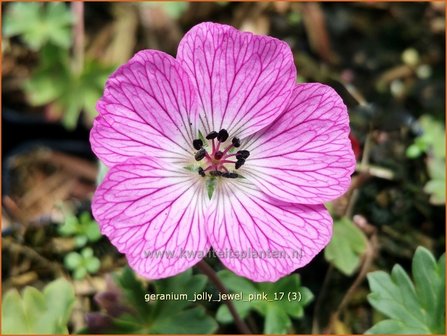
387	61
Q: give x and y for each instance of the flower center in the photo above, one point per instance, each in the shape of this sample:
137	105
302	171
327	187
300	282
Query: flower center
218	158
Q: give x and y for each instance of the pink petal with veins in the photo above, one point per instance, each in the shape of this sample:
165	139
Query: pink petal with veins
153	214
305	156
148	109
243	80
245	220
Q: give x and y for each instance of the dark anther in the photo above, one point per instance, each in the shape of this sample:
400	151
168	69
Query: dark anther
239	163
197	144
212	135
216	173
218	155
242	154
236	142
222	136
230	175
200	154
201	172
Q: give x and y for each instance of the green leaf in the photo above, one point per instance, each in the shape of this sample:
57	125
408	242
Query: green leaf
235	283
102	171
436	186
51	77
82	263
429	142
133	291
414	151
69	93
20	18
434	131
347	246
428	281
80	273
223	313
60	296
35	303
202	137
14	318
87	253
84	229
81	241
165	316
185	282
70	106
436	168
69	227
279	300
72	260
391	327
210	186
276	321
292	285
190	321
38	312
438	311
92	232
38	24
61	20
175	9
416	306
92	265
436	189
85	218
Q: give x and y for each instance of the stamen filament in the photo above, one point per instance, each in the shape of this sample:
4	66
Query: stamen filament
227	149
217	158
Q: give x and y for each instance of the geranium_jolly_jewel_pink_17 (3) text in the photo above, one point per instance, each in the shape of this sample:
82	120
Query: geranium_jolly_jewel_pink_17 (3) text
219	149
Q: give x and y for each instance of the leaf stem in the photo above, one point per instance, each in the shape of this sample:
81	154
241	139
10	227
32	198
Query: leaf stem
368	258
211	274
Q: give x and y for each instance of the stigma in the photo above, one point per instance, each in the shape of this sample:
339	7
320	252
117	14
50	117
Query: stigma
218	160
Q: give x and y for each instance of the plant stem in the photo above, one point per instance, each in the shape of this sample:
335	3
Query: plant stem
211	274
319	302
78	33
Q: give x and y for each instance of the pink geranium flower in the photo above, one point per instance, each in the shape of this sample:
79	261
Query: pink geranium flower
219	148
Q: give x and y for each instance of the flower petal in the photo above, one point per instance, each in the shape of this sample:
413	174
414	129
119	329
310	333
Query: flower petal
154	215
276	237
148	109
243	80
305	156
